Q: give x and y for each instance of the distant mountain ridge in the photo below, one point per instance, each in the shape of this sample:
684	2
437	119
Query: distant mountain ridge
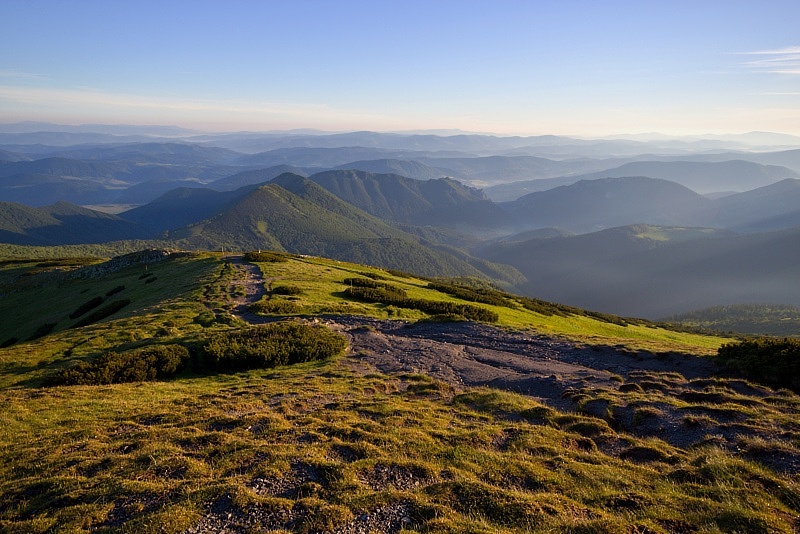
294	214
437	202
591	205
254	177
648	240
408	168
699	176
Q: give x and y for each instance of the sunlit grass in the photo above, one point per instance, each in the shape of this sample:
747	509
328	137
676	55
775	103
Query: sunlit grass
82	455
321	282
321	445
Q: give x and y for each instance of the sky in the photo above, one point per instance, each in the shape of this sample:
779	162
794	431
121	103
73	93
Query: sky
584	68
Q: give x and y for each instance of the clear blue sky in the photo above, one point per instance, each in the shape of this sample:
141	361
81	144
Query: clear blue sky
509	67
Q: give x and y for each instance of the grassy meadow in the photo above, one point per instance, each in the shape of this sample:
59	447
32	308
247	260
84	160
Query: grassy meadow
322	447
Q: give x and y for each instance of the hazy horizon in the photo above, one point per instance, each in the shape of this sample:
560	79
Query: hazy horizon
518	68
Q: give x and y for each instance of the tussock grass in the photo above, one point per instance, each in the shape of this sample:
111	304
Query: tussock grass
315	447
325	446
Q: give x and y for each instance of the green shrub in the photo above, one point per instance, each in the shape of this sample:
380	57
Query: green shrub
287	290
483	295
86	306
114	291
397	297
370	283
276	306
374	276
547	308
266	257
270	345
98	315
149	363
42	331
771	360
606	318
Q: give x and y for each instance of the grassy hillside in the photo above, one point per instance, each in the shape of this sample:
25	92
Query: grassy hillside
439	202
294	214
332	447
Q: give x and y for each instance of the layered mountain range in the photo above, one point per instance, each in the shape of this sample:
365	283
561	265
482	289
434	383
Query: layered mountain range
662	232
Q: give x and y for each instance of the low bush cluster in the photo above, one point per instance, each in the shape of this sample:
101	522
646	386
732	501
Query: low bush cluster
264	346
774	361
278	306
483	295
547	308
148	363
101	313
370	283
397	297
374	276
270	345
115	290
287	290
265	256
86	306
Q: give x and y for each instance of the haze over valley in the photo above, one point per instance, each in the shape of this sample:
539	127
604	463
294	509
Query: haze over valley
666	231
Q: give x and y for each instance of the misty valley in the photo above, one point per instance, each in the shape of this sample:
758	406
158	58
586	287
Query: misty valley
633	228
395	333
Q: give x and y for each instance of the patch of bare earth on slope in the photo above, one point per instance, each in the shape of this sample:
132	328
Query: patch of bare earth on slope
677	398
247	287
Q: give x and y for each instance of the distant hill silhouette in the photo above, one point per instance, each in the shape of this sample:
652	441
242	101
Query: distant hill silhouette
653	272
591	205
403	167
181	207
768	208
61	224
699	176
253	177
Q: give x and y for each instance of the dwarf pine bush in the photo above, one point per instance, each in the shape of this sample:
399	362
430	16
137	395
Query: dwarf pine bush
271	345
148	363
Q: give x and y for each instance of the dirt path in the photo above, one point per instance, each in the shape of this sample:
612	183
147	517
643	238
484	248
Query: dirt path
249	277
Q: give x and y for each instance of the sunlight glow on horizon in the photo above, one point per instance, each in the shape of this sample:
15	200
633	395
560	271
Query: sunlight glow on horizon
528	68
